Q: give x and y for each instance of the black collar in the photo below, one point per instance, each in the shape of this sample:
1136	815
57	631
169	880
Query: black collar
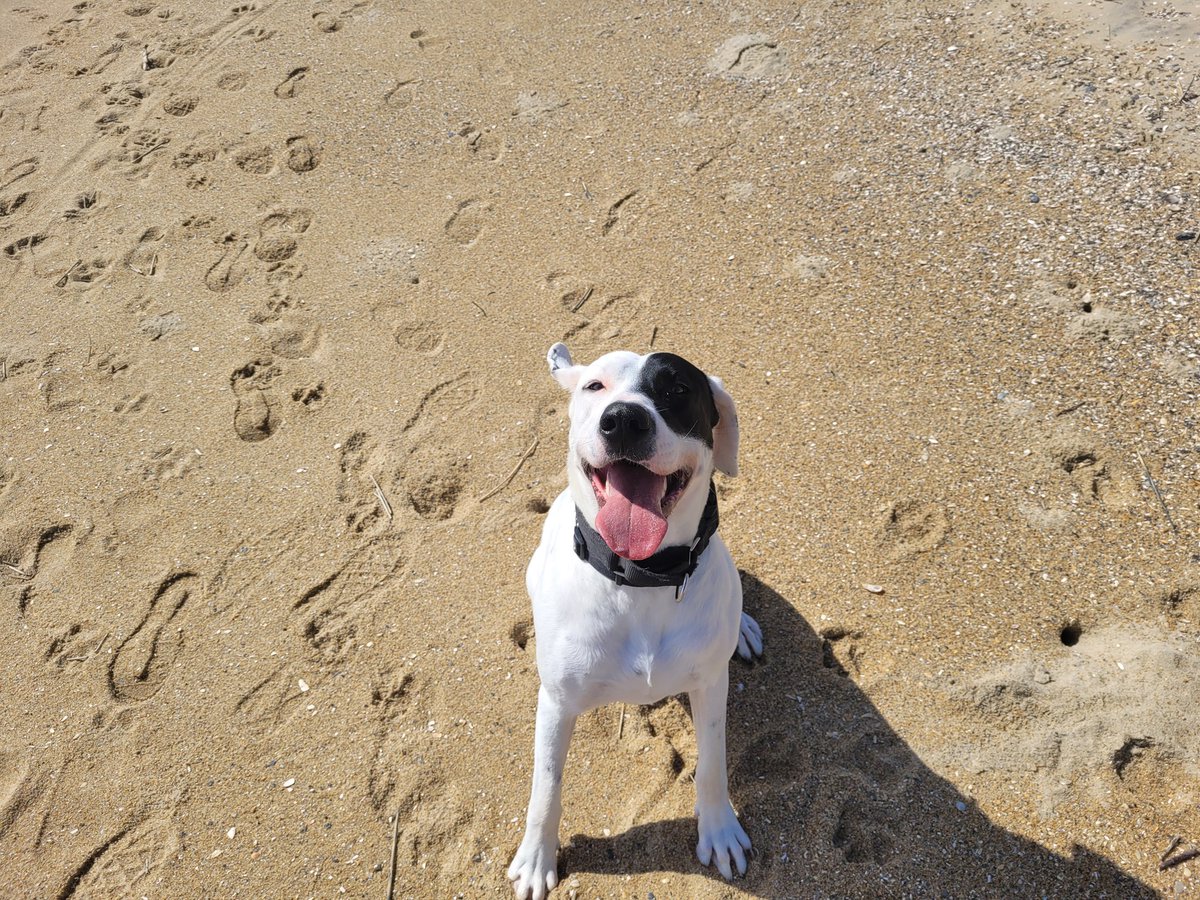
666	568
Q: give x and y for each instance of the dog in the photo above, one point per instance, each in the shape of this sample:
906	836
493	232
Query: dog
635	596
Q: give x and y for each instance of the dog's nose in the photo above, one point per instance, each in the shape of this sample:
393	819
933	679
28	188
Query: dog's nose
628	430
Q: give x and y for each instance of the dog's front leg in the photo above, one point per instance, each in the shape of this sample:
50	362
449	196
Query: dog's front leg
722	837
534	870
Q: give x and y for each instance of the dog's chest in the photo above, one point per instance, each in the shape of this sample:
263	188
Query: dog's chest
599	643
635	650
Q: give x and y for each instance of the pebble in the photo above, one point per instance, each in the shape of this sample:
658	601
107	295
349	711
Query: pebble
873	588
303	686
289	782
231	832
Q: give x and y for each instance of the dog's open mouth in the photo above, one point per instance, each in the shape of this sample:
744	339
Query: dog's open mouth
634	505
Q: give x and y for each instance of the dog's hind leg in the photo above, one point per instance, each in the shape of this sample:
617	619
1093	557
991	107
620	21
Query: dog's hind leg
749	639
534	869
722	839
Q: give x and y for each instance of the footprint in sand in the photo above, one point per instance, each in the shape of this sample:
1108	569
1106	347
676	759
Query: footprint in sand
18	170
310	396
1067	717
425	40
257	34
36	563
292	83
426	338
131	403
467	223
278	233
8	476
83	205
12	203
483	144
624	213
83	273
253	417
599	317
751	57
167	462
126	864
140	151
360	464
294	338
72	645
181	105
401	94
396	705
339	608
326	23
302	154
144	660
228	271
258	159
23	247
143	258
908	527
233	81
270	701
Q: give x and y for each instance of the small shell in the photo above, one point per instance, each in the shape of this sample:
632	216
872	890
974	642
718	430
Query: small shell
873	588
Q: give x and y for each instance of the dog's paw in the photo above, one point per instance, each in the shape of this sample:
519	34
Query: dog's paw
723	841
534	870
749	639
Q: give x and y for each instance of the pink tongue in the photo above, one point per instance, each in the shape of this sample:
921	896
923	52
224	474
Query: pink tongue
631	520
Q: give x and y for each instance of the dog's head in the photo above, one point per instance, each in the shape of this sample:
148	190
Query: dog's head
646	434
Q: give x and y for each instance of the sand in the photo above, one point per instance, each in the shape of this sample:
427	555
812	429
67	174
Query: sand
277	284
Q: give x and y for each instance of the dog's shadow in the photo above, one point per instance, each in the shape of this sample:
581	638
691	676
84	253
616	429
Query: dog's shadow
836	802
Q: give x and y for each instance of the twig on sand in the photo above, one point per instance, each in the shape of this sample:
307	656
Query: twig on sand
1069	409
653	335
583	299
1178	859
62	282
1187	92
18	573
153	266
139	157
621	723
480	308
1171	847
392	868
90	655
383	501
1158	494
511	475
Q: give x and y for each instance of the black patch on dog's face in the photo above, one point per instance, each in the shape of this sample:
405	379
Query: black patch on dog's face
681	394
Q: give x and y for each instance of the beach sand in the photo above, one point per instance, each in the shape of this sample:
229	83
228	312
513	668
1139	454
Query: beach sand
277	437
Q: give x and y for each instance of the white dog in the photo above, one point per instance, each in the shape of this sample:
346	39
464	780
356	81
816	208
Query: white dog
635	597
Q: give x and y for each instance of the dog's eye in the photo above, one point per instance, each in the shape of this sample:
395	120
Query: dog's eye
593	386
679	389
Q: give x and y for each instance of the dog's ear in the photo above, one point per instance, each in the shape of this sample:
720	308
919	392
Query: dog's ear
565	372
725	435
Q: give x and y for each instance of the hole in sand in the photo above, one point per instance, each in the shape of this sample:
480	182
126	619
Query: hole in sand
1087	306
538	505
1070	634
